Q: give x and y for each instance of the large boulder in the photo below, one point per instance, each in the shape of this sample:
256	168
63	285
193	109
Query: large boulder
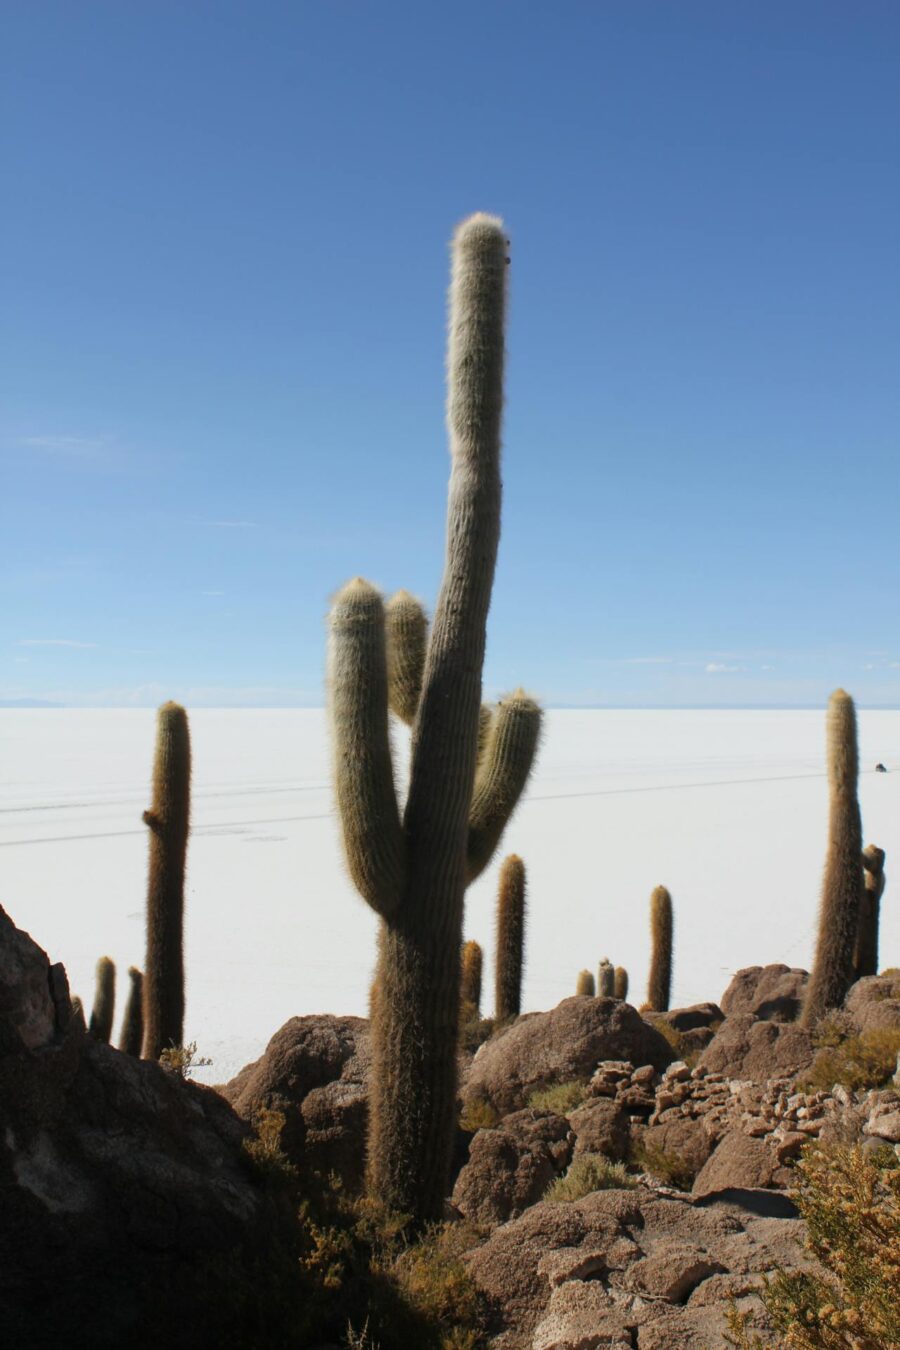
873	1003
624	1268
745	1162
745	1048
511	1166
567	1043
314	1070
125	1189
769	993
601	1126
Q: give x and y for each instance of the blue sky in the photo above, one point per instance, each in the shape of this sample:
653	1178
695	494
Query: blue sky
224	273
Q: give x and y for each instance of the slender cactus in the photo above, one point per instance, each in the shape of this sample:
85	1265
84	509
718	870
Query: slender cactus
101	1022
472	966
585	983
620	988
131	1037
78	1008
510	939
168	820
414	873
606	979
659	987
407	638
842	884
866	956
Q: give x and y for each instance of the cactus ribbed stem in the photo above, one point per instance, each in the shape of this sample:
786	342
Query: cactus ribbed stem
842	884
620	985
659	986
606	979
866	954
131	1037
585	983
505	766
510	942
101	1022
406	632
169	823
415	878
470	977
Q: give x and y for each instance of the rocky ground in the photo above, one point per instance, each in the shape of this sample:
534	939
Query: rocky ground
121	1180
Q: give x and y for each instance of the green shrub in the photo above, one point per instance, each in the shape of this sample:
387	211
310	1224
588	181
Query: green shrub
857	1062
560	1097
671	1169
478	1115
589	1172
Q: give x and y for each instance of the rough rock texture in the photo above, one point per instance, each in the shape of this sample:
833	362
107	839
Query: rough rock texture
874	1002
685	1140
540	1049
741	1160
693	1018
121	1184
746	1048
313	1070
768	993
601	1126
511	1166
627	1268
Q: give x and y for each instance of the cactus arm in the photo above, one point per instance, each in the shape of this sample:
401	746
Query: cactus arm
152	820
374	846
406	638
659	985
100	1025
505	767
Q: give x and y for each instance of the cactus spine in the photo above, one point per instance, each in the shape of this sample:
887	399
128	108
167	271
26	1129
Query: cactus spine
101	1022
470	978
168	820
606	979
414	873
585	983
866	956
620	987
842	884
510	939
659	988
131	1038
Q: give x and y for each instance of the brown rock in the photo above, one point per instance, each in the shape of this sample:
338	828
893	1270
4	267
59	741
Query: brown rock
313	1070
601	1126
567	1043
768	993
511	1166
684	1140
698	1015
739	1161
758	1050
121	1182
873	1003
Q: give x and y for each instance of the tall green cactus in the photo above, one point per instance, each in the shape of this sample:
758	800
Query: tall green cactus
659	986
865	960
510	939
606	979
414	871
620	985
131	1037
585	983
169	821
101	1022
470	977
842	884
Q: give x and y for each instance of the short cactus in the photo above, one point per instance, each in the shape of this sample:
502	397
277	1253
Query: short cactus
470	977
620	989
842	884
78	1009
169	821
101	1022
585	984
510	939
659	986
131	1037
865	959
606	979
414	872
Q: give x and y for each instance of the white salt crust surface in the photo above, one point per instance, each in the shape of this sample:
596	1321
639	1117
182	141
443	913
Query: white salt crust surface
726	808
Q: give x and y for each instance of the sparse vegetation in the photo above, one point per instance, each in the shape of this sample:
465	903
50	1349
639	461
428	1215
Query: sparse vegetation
867	1060
560	1097
664	1166
478	1115
851	1204
589	1172
183	1059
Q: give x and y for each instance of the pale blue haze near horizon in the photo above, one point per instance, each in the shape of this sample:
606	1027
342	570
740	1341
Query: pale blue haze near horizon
224	274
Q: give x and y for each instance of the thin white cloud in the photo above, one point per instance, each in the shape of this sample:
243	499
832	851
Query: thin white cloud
719	668
52	642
